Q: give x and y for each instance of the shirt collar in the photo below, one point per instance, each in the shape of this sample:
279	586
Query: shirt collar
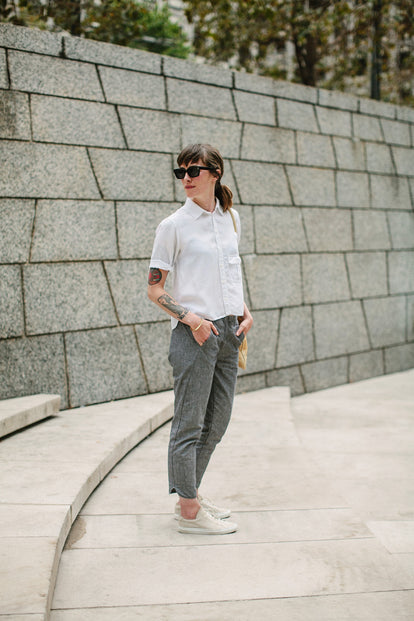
196	211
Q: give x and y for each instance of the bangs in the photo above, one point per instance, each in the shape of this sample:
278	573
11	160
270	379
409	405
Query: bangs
192	153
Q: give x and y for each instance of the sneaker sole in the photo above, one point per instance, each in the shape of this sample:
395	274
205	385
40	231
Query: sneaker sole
199	531
222	516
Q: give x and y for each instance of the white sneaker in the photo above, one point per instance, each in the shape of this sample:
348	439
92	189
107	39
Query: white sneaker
209	506
205	524
214	510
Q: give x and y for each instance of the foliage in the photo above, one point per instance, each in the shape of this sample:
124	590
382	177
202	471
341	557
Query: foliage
124	22
337	44
139	25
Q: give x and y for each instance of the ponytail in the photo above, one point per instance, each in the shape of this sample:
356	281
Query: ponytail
224	195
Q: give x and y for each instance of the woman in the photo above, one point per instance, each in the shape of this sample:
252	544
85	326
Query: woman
198	244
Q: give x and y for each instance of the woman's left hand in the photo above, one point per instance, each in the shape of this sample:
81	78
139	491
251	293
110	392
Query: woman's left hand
246	322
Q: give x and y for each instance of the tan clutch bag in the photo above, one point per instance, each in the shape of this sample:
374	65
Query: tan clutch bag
243	346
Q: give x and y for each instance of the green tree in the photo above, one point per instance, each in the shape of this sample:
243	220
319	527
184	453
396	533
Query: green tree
125	22
136	24
362	46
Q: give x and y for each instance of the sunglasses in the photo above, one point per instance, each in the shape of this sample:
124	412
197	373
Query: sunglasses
192	171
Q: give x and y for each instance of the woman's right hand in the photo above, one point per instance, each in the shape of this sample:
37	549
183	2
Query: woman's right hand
203	332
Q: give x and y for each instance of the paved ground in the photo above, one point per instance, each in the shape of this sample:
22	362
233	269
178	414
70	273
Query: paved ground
322	487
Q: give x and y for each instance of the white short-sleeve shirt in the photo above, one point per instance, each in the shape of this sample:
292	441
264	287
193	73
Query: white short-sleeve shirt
200	250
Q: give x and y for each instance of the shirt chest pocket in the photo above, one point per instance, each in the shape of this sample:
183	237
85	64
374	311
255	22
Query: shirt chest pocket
234	268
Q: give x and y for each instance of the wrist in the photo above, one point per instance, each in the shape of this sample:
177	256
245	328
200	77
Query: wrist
192	320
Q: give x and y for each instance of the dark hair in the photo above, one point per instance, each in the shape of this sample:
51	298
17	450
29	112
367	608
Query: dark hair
210	157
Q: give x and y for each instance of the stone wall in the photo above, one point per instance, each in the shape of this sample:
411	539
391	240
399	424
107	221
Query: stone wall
324	183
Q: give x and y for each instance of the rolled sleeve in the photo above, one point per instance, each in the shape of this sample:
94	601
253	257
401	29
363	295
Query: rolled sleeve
165	244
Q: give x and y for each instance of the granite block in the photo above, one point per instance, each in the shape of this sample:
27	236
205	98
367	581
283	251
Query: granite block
312	186
133	88
370	230
4	78
401	229
366	365
350	154
154	345
225	135
379	158
71	121
54	76
14	115
268	144
399	358
401	271
190	70
279	229
367	127
66	296
202	99
150	129
45	171
328	229
386	320
280	88
249	383
128	281
324	278
390	192
274	192
339	329
377	108
334	122
353	189
137	223
315	150
282	276
410	317
396	132
295	337
404	160
297	92
367	273
16	217
336	99
253	108
74	230
30	366
11	302
247	242
405	113
108	54
286	377
262	341
116	172
30	39
103	365
325	373
294	115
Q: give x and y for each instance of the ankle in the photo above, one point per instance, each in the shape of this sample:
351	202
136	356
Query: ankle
189	508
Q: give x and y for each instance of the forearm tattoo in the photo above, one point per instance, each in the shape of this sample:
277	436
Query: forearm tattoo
167	301
154	276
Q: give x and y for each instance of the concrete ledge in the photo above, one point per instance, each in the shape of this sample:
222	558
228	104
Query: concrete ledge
46	475
18	413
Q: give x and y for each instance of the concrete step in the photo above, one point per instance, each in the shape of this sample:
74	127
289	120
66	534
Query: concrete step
47	472
18	413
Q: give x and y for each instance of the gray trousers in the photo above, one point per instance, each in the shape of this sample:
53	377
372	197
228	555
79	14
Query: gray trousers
204	385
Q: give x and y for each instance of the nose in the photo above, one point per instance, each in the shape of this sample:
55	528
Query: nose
187	177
